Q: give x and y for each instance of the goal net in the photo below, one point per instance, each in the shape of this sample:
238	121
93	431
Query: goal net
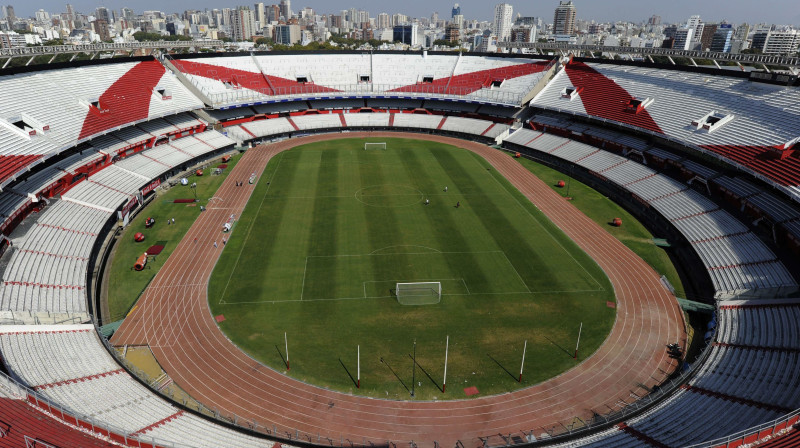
418	293
368	146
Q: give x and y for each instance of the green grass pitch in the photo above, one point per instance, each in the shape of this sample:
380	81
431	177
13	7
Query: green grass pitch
331	228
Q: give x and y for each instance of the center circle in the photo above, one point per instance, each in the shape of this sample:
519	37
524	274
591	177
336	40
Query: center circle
389	195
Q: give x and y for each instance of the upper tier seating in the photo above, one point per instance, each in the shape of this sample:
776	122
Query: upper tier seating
48	111
230	80
763	116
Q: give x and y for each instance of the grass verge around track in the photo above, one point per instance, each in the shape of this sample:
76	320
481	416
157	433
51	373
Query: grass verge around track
602	210
125	284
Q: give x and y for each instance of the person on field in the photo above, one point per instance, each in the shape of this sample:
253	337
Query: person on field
458	204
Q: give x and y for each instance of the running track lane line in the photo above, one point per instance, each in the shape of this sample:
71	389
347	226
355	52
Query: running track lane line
176	321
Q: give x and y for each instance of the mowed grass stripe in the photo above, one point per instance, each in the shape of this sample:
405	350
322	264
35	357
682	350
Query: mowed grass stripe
323	231
584	267
233	272
442	223
539	257
383	229
285	218
526	259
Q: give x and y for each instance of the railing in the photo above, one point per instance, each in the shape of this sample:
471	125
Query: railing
769	59
157	45
755	433
89	425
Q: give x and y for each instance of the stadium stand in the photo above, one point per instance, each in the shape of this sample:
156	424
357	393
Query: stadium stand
749	378
369	120
231	80
35	125
751	123
69	365
116	112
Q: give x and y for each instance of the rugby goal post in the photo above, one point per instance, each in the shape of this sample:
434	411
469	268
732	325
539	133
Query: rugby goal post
418	293
369	146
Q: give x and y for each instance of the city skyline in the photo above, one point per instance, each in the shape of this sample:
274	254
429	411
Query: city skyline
782	12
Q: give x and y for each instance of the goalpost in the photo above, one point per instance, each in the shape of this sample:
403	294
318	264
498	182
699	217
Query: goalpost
419	293
369	146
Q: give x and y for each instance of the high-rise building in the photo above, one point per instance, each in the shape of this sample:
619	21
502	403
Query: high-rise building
70	12
127	13
742	31
697	25
458	20
288	34
11	17
456	11
383	21
654	20
523	33
42	15
503	14
399	19
721	41
786	41
102	29
260	13
243	25
452	32
101	13
273	13
564	19
286	9
683	38
707	35
407	34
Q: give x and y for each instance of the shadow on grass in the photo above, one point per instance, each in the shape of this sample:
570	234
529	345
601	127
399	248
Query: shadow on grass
502	367
560	347
281	355
355	383
427	374
395	374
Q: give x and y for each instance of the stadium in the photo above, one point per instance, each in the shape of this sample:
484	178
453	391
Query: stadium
451	167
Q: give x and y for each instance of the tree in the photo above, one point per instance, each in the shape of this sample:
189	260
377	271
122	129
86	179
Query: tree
52	42
142	36
752	51
264	41
445	43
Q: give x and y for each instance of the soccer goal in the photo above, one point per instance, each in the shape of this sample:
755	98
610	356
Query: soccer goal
419	293
369	146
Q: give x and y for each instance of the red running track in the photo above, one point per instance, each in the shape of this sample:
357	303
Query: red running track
174	319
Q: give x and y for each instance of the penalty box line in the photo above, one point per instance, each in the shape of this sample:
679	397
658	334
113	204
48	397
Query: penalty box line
415	281
566	291
527	288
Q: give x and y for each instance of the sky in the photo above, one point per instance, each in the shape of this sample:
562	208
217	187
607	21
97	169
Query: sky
735	11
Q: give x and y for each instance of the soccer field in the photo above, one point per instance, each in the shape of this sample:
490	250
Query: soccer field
331	229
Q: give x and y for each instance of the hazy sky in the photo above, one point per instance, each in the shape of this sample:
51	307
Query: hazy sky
735	11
